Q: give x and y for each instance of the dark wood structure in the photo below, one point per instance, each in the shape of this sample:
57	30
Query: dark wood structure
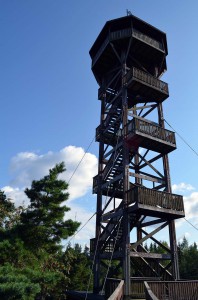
134	198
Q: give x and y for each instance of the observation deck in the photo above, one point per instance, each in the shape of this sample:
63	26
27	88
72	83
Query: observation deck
149	46
147	87
149	135
147	201
141	133
155	203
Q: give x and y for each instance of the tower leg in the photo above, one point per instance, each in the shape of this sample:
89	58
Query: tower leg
173	246
126	260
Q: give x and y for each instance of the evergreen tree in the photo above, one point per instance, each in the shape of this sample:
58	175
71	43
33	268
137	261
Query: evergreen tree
31	257
7	211
80	268
188	260
43	225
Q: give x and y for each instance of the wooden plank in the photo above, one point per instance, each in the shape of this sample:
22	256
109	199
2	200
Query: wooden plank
149	292
146	177
151	255
154	222
118	293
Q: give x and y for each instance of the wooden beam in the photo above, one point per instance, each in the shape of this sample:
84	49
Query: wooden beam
150	235
146	177
151	255
154	222
150	160
157	242
150	165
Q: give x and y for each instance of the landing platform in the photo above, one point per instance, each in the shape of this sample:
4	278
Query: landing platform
73	295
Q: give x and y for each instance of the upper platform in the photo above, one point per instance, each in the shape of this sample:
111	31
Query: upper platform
145	45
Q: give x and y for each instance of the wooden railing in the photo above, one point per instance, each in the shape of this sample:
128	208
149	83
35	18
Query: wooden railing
145	78
173	290
152	130
120	34
145	196
124	33
137	287
109	93
114	289
148	293
138	34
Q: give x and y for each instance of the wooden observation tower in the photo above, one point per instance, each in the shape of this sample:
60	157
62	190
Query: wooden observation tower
135	204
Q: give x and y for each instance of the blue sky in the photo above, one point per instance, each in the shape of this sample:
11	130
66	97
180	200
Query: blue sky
48	95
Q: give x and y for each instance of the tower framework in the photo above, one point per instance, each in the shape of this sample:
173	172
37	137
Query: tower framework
135	203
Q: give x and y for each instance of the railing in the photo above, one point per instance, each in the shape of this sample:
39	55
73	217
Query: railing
152	130
145	78
137	288
150	197
120	34
110	93
147	39
114	289
148	293
173	290
108	187
124	33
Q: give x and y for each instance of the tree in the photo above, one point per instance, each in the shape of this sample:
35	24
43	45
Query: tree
188	260
31	257
80	268
43	224
7	210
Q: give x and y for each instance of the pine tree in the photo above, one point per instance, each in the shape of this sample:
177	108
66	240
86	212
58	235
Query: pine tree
31	256
43	224
80	268
7	211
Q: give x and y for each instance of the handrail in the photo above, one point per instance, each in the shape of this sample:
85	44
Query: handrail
151	197
152	130
159	84
148	292
138	34
126	33
176	290
120	34
146	78
118	294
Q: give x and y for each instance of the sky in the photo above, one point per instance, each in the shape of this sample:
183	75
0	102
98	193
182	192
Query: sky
48	96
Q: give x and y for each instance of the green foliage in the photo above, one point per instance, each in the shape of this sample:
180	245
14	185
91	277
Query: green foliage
15	284
33	265
7	212
42	224
188	260
80	268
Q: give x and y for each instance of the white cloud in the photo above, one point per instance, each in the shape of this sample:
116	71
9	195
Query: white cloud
182	187
81	215
27	166
191	210
16	195
191	206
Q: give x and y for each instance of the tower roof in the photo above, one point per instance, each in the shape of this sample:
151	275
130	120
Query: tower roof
126	22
